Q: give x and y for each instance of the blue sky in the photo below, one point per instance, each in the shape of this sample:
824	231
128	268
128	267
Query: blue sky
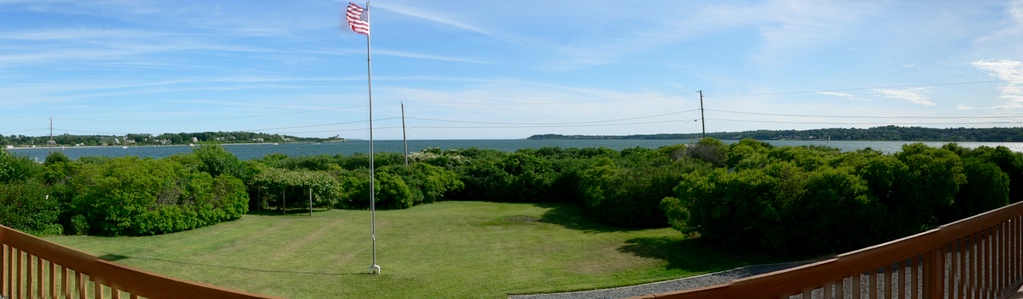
507	69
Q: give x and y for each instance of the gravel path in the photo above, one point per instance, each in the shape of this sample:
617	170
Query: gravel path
667	286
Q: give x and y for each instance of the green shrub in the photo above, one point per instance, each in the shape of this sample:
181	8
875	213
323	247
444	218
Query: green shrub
630	195
709	150
393	192
986	188
132	196
354	186
14	168
215	160
833	213
428	183
79	225
27	206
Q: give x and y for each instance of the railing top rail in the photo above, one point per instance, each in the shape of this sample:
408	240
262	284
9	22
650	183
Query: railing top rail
809	276
138	282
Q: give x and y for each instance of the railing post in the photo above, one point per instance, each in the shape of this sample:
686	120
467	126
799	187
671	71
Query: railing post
934	270
3	269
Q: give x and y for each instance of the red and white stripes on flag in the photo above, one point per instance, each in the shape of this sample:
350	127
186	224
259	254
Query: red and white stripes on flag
358	18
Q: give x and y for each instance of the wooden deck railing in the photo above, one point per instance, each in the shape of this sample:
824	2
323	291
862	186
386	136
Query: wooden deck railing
977	257
31	267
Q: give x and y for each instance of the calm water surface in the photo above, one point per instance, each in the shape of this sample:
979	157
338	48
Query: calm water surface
256	151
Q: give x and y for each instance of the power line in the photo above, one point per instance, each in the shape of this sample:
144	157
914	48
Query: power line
558	123
864	123
869	116
852	89
320	125
546	126
557	103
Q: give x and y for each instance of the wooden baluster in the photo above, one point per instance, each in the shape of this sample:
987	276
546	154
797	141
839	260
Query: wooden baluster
840	289
1011	249
18	289
888	282
934	268
3	267
903	288
1015	249
996	261
1010	245
988	240
1002	284
80	285
28	275
975	269
97	289
873	284
53	281
1006	255
992	264
856	285
39	276
63	283
982	265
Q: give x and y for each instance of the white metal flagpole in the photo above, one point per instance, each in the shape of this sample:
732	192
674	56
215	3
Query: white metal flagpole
358	20
373	269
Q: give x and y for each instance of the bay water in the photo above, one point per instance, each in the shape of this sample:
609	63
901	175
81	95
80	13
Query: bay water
256	151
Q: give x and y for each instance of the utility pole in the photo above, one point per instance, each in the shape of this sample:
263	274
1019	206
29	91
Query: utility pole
404	137
51	135
703	121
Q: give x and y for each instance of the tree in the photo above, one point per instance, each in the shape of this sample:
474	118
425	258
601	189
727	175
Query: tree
215	160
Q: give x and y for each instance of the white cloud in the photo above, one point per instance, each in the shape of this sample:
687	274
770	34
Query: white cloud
913	95
432	16
847	96
1010	71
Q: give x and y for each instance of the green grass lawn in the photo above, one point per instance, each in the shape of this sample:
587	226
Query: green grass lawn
446	249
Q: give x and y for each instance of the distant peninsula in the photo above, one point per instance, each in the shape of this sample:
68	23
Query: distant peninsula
149	139
885	133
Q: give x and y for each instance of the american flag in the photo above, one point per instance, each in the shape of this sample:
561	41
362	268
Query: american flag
358	18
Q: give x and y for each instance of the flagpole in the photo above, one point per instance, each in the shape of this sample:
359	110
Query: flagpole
373	269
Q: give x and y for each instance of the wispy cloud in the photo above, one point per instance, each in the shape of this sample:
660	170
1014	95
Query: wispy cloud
1013	24
792	27
847	96
78	34
1010	71
427	56
784	27
435	16
90	45
913	95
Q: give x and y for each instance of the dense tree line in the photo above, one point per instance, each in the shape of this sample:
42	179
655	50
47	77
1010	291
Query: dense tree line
747	194
885	133
819	199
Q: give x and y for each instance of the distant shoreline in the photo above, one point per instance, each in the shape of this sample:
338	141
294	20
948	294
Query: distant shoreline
887	133
152	145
